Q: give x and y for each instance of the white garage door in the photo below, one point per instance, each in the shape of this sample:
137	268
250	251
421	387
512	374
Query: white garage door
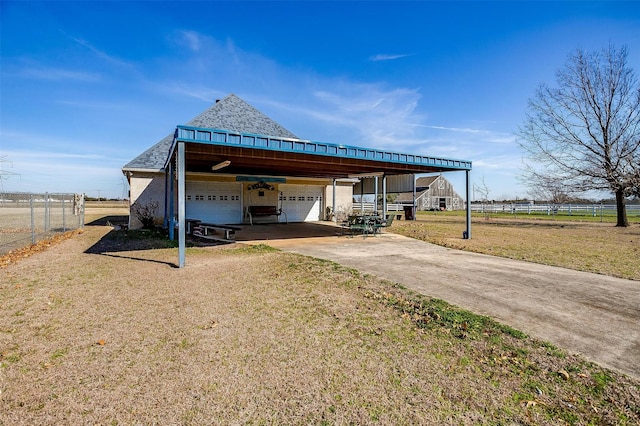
214	202
301	203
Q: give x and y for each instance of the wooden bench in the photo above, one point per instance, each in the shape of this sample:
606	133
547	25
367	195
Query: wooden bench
264	211
211	230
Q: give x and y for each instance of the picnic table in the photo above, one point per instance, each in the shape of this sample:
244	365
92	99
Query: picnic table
366	224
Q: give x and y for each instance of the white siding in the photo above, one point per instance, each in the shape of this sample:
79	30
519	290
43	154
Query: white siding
146	188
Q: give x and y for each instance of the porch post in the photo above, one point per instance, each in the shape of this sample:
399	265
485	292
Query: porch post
181	204
333	202
384	197
468	172
375	190
362	196
414	197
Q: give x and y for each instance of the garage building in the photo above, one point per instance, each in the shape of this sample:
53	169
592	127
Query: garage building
232	157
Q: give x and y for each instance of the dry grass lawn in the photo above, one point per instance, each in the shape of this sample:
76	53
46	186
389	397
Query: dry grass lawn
105	334
584	246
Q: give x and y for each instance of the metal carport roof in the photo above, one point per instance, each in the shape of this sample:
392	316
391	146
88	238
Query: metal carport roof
199	149
264	155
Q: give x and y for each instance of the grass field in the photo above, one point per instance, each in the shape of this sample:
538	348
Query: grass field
251	335
256	336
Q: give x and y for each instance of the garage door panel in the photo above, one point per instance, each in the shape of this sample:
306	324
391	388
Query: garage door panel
301	203
214	202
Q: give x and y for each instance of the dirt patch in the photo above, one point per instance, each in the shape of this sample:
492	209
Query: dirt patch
253	335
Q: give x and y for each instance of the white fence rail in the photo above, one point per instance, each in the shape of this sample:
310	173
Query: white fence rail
594	210
369	207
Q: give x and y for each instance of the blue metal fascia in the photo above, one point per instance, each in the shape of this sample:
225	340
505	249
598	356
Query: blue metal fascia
255	141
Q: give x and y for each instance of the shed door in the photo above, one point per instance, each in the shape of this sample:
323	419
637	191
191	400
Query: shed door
301	203
214	202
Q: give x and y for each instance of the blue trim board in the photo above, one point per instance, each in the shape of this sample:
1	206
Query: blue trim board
247	140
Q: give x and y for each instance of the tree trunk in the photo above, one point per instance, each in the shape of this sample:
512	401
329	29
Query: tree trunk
621	209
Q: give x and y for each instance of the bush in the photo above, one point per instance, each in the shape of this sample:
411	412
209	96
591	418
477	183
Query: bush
146	213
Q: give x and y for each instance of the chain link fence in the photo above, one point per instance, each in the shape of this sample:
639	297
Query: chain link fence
26	219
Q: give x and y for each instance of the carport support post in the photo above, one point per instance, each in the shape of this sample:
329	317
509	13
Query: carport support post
333	202
468	184
384	197
181	205
413	213
375	184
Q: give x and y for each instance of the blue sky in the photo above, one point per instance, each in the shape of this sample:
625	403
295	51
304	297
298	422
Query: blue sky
87	86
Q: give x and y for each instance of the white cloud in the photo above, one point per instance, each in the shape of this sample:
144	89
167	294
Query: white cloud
101	54
39	72
386	57
191	39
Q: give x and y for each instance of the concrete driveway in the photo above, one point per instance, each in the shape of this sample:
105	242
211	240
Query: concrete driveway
594	315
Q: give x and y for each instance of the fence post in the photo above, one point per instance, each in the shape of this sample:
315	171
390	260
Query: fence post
46	212
601	207
33	220
64	224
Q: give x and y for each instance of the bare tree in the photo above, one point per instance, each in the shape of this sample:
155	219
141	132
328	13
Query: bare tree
545	187
484	191
586	132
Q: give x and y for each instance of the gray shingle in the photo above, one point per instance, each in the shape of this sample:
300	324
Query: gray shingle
231	113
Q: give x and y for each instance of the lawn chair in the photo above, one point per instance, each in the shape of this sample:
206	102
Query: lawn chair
377	227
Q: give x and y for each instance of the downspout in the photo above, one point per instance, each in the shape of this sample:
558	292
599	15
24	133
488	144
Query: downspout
172	220
165	222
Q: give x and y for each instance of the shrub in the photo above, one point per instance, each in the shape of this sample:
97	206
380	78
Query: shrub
146	213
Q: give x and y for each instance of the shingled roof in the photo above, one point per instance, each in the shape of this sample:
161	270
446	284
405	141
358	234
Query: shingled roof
230	113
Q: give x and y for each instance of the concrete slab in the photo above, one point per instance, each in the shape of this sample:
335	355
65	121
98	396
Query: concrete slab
594	315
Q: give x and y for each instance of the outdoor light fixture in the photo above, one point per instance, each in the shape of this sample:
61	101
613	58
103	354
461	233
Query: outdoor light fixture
221	165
